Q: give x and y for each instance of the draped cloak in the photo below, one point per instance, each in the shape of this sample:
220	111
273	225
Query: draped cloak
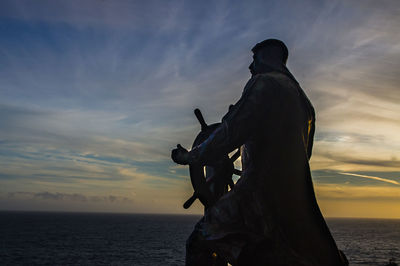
272	205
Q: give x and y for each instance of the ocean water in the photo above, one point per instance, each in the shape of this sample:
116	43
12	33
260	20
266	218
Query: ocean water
38	238
367	241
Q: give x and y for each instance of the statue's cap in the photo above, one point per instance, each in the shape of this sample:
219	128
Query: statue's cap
272	43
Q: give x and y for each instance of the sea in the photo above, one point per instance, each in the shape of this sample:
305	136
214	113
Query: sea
51	238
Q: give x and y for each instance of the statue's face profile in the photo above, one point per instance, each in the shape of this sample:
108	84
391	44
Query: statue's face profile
251	68
255	66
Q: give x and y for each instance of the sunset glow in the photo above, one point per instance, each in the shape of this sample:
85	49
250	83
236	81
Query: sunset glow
93	97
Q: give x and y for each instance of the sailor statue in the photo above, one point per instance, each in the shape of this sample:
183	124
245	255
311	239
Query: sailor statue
270	216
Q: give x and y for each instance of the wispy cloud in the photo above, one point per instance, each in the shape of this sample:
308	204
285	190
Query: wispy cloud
373	177
56	196
355	193
93	96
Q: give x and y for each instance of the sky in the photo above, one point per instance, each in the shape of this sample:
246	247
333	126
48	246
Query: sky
94	95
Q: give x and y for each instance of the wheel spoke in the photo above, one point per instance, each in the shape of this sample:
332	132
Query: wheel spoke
237	172
235	156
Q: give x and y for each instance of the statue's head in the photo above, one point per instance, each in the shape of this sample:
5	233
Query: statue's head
269	55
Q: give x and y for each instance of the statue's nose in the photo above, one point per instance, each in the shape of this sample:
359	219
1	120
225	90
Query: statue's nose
251	67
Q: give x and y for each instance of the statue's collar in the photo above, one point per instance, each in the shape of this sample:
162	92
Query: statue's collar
278	67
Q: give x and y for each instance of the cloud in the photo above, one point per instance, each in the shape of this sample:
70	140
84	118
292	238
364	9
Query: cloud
335	136
92	13
392	163
93	96
80	131
372	177
356	193
56	196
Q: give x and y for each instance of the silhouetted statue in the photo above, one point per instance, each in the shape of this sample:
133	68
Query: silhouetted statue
270	216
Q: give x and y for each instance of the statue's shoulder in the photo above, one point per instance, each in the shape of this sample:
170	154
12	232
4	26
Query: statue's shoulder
265	81
273	75
269	78
282	81
264	76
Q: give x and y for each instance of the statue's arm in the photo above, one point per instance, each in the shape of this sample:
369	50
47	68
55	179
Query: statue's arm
254	107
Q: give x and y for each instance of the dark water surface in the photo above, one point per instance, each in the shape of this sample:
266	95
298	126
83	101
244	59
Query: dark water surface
32	238
367	241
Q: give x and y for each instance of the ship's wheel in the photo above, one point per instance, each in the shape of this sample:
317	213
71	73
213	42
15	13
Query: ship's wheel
210	182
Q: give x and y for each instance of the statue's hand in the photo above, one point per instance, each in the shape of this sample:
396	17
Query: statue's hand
180	155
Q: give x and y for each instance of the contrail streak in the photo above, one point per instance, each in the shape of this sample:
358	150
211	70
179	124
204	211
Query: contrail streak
373	177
